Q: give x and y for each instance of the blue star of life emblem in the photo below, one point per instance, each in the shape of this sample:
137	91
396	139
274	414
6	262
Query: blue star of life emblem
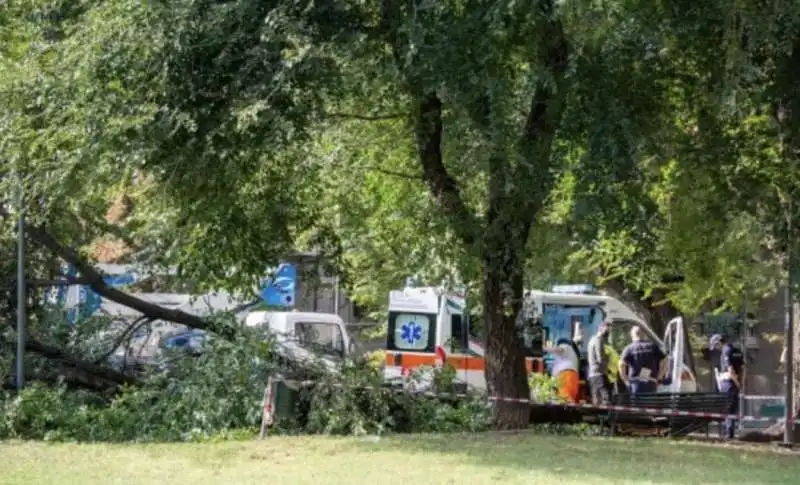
411	332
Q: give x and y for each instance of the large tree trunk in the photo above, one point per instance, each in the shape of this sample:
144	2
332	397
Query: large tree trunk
506	375
517	191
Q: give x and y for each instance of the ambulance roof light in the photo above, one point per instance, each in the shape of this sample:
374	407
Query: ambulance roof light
584	289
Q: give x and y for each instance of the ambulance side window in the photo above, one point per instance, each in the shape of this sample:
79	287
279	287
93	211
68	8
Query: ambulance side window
457	330
411	332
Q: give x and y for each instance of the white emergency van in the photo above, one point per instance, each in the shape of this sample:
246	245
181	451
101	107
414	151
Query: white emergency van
427	325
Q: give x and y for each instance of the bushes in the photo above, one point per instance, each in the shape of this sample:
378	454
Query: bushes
192	398
220	392
544	388
369	407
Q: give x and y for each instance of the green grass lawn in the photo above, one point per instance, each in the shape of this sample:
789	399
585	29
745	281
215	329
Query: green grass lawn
419	460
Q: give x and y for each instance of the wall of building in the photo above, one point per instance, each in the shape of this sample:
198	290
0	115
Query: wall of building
317	288
765	376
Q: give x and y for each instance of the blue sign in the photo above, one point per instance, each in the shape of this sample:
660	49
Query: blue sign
411	332
279	291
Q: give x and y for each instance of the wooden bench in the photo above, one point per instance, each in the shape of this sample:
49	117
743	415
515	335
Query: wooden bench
699	402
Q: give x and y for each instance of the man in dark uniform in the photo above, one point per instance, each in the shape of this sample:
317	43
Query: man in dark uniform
642	364
729	377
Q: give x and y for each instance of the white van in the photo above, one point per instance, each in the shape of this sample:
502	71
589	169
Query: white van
304	336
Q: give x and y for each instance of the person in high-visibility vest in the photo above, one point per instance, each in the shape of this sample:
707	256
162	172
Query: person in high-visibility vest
612	373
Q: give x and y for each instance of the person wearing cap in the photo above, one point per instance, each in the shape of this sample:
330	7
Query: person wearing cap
729	377
642	364
598	357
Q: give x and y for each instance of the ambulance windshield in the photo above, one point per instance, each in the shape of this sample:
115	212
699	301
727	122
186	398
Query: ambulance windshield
571	322
323	337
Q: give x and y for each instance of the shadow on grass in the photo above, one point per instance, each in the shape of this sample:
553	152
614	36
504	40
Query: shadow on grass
602	459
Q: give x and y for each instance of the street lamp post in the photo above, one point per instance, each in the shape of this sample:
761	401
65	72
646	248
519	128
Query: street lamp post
21	290
788	432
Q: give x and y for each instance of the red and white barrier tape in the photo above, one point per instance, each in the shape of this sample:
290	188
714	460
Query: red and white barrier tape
642	410
661	412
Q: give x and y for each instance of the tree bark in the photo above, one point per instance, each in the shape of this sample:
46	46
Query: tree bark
442	186
516	194
786	113
506	375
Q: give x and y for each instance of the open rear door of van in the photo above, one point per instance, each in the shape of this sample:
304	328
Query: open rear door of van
680	377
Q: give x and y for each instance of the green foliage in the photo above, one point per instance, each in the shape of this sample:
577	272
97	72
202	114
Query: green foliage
242	130
544	388
196	397
198	112
357	402
581	429
376	218
218	395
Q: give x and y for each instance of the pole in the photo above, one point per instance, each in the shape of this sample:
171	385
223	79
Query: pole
267	409
788	432
21	292
744	333
336	294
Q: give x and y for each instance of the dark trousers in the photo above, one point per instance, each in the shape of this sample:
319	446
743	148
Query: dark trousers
728	387
600	389
636	386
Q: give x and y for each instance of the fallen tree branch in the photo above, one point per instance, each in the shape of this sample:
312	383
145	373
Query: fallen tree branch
132	328
54	353
243	307
87	373
97	283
